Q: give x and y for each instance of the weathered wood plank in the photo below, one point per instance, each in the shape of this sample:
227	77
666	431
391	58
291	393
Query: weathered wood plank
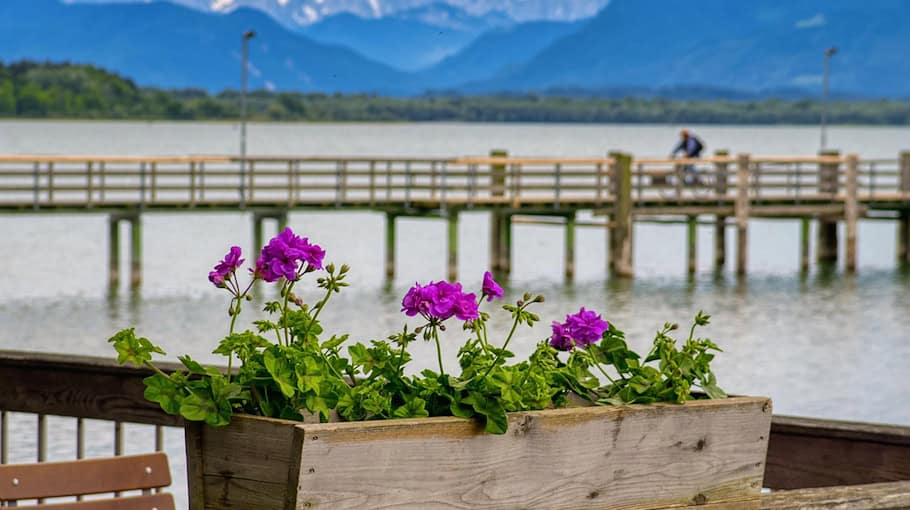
806	453
883	496
79	386
635	457
85	476
245	465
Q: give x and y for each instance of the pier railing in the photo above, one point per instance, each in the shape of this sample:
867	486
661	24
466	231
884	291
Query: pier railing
93	407
38	182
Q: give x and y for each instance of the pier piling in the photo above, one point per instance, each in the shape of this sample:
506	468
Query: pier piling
505	248
452	245
805	226
827	247
742	213
622	228
692	244
113	238
570	246
389	246
720	226
851	211
497	189
135	222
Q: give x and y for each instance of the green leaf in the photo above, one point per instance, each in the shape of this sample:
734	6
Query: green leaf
167	392
281	370
202	408
131	349
192	366
415	407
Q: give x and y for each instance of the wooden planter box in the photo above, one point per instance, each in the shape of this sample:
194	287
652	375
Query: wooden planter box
707	452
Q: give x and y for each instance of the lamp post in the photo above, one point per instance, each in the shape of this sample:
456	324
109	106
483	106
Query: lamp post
249	34
830	52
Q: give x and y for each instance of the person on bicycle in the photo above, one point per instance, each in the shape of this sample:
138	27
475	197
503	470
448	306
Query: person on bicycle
691	147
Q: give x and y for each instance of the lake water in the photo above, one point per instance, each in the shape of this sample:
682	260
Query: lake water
824	344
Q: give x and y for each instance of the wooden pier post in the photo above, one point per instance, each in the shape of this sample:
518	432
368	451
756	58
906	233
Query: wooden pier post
720	231
113	238
742	212
135	250
570	246
505	253
497	189
389	245
851	210
903	223
805	224
258	233
692	244
622	228
452	245
826	249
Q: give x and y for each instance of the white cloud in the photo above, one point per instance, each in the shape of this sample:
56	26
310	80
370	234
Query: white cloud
815	21
270	86
222	5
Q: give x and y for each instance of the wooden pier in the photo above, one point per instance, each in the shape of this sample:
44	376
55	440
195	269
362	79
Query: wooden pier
725	190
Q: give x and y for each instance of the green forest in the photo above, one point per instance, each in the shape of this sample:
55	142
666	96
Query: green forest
68	91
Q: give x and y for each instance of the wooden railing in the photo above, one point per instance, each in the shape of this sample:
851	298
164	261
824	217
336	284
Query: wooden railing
803	453
197	181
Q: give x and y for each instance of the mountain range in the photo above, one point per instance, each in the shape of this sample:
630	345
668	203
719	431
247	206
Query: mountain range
629	47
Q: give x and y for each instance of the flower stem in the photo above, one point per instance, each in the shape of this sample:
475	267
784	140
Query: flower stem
438	349
600	368
288	287
506	344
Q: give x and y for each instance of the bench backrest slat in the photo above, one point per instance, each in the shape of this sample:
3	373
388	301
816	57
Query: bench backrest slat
81	477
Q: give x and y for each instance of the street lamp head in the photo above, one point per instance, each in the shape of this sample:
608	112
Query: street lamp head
830	52
249	34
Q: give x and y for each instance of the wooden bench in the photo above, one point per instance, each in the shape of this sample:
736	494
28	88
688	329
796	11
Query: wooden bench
90	476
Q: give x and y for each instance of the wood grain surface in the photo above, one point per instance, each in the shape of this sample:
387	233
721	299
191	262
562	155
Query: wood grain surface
635	457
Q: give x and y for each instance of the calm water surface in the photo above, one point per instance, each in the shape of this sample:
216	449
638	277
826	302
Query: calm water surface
824	344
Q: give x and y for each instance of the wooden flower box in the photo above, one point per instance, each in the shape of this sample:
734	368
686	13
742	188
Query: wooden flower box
661	456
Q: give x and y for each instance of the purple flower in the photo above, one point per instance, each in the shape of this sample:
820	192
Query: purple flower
439	300
586	326
228	265
491	289
282	256
580	330
560	339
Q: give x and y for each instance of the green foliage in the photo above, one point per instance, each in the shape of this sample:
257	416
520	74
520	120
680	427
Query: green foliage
29	89
302	374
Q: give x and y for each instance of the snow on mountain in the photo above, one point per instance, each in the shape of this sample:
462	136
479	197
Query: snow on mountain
306	12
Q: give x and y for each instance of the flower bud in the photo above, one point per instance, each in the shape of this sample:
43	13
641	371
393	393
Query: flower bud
520	303
330	268
539	298
674	326
249	297
526	297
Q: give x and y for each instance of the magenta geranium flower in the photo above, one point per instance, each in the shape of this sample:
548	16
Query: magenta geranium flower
491	289
283	256
579	330
440	301
226	267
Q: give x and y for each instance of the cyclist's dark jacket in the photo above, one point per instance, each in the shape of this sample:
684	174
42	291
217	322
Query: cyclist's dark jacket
691	146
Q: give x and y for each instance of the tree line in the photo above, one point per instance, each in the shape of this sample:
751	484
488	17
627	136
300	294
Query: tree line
71	91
